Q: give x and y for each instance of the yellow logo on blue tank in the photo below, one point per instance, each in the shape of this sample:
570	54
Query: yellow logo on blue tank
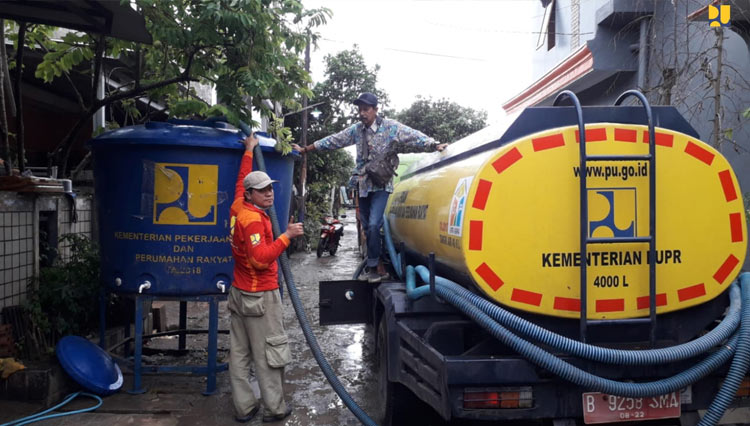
719	16
612	212
185	194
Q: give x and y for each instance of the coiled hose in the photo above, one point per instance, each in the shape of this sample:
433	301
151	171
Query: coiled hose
476	307
716	336
739	367
312	342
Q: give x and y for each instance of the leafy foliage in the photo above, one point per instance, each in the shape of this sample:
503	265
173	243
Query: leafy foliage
248	50
444	120
62	303
282	134
347	75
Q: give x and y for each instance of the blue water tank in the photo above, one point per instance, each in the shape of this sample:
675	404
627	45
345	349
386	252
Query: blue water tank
163	192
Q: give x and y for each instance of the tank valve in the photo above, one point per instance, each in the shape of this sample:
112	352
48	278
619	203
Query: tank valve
221	285
118	281
145	286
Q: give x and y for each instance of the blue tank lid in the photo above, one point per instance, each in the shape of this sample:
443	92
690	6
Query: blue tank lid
213	134
89	365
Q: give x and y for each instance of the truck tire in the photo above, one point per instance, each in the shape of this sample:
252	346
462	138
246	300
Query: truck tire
397	403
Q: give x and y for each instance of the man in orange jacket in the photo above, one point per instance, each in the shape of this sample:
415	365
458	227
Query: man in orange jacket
257	329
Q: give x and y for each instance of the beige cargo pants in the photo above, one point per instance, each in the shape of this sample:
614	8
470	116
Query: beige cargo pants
257	335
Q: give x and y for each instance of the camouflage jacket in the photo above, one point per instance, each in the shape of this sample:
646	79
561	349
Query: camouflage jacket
385	134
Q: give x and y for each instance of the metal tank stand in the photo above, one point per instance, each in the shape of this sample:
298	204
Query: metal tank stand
211	367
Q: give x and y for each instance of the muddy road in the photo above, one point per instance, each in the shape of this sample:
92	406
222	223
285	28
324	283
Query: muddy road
349	348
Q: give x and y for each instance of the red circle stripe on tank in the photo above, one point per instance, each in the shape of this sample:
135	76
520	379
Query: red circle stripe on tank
567	304
735	223
482	193
507	160
726	268
527	297
475	234
691	292
626	135
644	302
610	305
489	276
662	139
548	142
727	184
700	153
593	135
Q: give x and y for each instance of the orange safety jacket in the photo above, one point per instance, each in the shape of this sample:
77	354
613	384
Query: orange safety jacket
253	247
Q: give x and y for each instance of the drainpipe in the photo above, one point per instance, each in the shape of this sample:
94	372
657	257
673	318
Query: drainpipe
643	54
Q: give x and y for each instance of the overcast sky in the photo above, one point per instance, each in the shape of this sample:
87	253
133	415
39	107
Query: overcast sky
475	53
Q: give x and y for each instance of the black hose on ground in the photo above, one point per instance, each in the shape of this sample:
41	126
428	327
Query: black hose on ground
328	372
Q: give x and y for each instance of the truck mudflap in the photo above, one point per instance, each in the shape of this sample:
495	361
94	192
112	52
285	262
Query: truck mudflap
345	302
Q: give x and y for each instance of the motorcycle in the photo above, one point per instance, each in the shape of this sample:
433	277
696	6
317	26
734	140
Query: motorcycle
330	233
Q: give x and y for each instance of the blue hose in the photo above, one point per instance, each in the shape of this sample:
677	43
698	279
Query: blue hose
574	374
41	415
716	336
739	367
312	342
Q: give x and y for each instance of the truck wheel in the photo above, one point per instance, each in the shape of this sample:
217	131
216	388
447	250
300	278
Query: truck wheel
397	403
321	246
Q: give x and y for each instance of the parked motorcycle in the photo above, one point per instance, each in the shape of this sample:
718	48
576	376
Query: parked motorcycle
330	234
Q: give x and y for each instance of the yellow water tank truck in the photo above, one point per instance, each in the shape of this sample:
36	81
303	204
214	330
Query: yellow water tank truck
502	336
506	217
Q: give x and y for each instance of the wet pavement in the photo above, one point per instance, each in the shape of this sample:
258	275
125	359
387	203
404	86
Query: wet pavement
176	399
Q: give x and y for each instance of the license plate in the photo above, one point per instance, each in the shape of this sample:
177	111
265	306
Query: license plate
603	408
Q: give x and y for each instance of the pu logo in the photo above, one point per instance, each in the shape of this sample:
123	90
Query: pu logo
612	212
458	206
719	16
185	194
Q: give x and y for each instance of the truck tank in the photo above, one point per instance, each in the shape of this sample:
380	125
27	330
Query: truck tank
500	209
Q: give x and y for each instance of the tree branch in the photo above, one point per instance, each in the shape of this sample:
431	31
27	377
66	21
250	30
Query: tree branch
62	151
20	153
79	97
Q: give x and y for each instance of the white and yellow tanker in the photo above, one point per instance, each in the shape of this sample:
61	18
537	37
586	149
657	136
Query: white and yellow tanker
500	208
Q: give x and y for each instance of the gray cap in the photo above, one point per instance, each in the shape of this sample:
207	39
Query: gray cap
257	180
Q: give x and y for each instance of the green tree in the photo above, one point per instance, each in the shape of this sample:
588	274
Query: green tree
347	75
444	120
249	50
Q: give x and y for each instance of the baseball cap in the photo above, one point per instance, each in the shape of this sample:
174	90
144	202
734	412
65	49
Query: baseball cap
366	98
257	180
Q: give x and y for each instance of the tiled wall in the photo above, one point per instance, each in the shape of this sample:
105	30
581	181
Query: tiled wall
82	226
18	224
16	255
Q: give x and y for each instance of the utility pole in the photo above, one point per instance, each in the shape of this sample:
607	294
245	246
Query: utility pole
303	142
